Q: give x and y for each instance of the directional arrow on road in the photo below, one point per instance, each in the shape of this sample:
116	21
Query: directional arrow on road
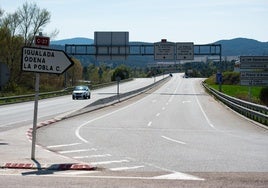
45	60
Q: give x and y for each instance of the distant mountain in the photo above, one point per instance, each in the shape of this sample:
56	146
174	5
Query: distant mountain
232	47
77	40
243	46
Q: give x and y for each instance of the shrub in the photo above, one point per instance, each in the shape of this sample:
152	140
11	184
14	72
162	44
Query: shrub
264	96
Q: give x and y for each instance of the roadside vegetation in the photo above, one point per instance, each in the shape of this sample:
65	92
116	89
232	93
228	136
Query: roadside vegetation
231	86
19	28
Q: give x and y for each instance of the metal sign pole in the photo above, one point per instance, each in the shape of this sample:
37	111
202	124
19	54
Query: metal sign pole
37	80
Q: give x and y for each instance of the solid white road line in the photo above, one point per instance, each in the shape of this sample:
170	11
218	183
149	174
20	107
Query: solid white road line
172	140
77	151
63	145
92	156
178	176
108	162
186	102
82	174
202	110
125	168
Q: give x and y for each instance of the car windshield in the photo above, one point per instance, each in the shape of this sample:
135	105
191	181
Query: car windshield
80	88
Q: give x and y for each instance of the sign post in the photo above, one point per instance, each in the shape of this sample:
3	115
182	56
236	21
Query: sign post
37	81
40	60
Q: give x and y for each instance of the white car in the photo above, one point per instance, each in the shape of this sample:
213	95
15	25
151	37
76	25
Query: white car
81	92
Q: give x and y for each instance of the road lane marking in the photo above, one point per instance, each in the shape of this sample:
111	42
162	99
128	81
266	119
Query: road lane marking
158	114
163	108
108	162
202	110
178	176
77	151
84	175
92	156
126	168
63	145
77	131
154	101
173	94
149	124
186	102
172	140
80	172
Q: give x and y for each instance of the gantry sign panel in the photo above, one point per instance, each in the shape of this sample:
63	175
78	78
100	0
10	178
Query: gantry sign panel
113	45
116	46
140	49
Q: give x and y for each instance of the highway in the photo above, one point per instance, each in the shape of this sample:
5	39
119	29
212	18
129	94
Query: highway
15	115
175	135
176	128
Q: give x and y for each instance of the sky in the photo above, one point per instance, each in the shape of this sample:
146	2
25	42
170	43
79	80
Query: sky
198	21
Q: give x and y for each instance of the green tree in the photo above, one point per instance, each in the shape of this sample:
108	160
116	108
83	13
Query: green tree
32	21
75	73
122	71
16	30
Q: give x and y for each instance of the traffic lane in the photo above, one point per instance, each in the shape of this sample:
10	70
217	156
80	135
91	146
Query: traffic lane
207	148
20	114
232	149
45	137
14	178
160	140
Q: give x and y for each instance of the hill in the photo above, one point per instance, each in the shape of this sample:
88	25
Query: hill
243	46
77	40
232	47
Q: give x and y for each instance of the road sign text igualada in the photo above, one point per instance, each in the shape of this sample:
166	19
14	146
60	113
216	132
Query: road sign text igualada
45	60
35	59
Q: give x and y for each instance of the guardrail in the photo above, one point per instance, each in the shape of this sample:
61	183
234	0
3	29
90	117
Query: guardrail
253	111
116	98
66	91
30	97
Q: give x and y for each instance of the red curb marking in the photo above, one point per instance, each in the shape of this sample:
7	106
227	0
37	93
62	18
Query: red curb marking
18	165
75	167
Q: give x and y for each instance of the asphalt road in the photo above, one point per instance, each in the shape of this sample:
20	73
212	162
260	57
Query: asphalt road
21	114
176	136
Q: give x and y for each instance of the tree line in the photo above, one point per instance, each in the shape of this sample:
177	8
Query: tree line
18	29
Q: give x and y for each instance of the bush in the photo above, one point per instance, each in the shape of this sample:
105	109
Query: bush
122	71
231	78
264	96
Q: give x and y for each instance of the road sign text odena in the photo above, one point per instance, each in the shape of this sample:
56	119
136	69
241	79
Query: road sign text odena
45	60
35	59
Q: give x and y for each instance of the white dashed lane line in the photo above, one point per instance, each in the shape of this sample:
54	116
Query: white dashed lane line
92	156
77	151
63	145
173	140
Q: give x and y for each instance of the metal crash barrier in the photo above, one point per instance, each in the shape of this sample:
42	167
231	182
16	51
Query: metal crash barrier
253	111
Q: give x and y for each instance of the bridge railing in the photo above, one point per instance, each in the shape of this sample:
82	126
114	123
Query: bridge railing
253	111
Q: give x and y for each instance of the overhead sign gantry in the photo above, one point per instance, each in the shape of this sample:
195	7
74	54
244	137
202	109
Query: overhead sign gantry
115	45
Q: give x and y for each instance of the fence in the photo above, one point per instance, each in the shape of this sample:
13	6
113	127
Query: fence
253	111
